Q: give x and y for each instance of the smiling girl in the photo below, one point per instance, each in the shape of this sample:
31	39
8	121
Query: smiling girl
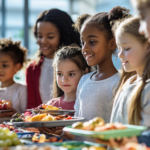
132	101
53	29
96	89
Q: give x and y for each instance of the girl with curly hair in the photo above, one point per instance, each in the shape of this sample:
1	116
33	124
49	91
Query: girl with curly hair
52	29
12	59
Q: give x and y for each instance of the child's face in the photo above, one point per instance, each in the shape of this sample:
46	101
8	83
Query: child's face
132	53
7	69
48	38
95	47
68	75
144	15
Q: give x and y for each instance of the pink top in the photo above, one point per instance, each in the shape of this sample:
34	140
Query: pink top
58	102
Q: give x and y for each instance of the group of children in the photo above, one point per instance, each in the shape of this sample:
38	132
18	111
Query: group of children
115	96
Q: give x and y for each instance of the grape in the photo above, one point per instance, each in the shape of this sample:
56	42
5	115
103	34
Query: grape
8	142
16	141
2	143
11	135
6	130
3	136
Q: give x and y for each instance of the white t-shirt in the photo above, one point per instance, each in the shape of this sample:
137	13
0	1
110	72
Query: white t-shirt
95	98
17	94
46	80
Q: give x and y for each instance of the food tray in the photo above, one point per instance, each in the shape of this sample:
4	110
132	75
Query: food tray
79	145
47	123
106	135
52	112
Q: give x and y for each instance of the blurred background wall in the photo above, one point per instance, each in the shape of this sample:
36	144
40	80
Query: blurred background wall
17	17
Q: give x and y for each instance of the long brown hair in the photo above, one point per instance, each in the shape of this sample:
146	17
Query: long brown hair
131	26
74	54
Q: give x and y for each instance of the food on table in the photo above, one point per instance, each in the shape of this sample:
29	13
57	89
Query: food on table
50	107
39	117
93	148
77	125
11	128
135	146
17	118
5	104
42	138
8	138
97	124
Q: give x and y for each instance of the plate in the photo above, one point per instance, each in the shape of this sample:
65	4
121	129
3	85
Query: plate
131	130
52	112
7	110
47	123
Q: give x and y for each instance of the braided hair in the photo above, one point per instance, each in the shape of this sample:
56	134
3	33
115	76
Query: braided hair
64	24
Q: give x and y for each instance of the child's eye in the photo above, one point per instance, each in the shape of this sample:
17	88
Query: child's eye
126	49
72	74
92	42
59	74
51	37
5	66
39	36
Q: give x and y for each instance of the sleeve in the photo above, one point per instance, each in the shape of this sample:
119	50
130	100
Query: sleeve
77	103
31	96
144	138
23	98
146	106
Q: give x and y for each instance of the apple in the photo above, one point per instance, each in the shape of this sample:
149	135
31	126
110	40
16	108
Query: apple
8	105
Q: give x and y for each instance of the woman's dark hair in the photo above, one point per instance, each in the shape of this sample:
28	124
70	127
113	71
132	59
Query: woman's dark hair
74	54
103	21
64	24
14	50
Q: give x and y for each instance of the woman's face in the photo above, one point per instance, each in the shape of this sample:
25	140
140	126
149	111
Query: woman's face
48	38
144	15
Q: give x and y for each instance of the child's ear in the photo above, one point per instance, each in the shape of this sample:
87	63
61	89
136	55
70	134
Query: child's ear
113	45
17	67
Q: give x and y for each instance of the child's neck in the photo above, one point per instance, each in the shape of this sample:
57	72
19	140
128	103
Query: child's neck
69	97
104	71
7	83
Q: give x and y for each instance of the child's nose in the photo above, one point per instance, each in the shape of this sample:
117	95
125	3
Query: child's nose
120	54
44	40
64	79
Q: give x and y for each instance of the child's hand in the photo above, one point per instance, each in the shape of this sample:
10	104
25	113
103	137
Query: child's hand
118	142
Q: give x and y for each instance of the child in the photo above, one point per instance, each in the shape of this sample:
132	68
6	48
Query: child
143	9
12	59
96	89
132	101
69	66
53	29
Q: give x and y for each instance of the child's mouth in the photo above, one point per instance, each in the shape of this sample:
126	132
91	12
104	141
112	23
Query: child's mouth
87	57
